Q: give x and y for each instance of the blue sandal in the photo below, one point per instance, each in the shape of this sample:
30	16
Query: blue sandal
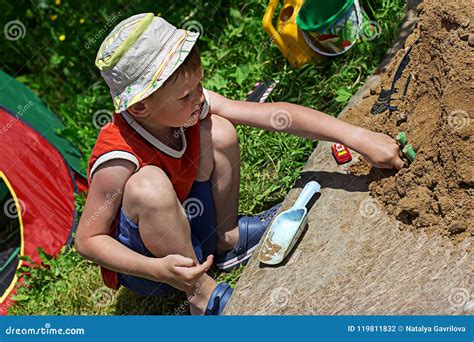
219	298
251	229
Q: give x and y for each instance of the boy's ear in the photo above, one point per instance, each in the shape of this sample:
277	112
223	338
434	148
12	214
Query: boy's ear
139	109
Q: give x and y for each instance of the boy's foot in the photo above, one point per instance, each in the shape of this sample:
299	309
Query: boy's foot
251	229
219	298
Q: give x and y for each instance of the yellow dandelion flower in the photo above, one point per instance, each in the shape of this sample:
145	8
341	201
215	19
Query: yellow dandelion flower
53	17
57	2
62	37
81	21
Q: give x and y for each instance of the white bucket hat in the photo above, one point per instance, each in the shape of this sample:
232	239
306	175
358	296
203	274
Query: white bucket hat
139	55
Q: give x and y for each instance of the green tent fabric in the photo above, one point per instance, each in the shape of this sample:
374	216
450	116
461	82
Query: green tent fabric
19	99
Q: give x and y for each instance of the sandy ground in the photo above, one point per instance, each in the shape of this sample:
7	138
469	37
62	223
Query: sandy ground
434	193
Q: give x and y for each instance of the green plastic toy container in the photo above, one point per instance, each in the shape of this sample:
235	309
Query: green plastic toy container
330	27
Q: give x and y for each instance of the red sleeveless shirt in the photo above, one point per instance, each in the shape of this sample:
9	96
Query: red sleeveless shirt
124	138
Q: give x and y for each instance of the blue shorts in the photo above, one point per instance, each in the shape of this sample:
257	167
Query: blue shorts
202	220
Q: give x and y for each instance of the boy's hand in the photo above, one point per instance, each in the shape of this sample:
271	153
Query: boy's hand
182	272
379	149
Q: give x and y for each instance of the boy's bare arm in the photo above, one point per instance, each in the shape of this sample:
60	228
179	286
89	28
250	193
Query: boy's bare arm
103	201
94	242
379	149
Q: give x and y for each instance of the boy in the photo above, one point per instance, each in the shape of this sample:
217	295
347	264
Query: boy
164	174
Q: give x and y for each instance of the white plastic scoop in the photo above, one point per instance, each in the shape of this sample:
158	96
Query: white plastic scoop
287	227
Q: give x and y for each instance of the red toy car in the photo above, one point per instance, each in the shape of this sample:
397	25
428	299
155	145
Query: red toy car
341	153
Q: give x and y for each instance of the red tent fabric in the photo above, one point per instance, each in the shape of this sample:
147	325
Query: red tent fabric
43	186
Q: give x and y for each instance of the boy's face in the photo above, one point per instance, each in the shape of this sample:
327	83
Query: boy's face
177	104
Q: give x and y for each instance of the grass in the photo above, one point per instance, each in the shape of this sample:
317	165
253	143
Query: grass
236	53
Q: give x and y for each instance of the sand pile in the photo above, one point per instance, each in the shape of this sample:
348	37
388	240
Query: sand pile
434	193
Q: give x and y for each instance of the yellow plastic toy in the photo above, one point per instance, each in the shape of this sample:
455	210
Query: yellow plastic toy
287	36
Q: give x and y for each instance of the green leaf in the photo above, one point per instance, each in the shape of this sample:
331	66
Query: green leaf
56	60
20	297
235	13
23	269
242	73
343	95
216	82
24	257
44	256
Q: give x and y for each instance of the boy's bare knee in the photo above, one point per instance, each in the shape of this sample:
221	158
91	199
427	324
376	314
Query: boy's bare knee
148	189
223	132
150	200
